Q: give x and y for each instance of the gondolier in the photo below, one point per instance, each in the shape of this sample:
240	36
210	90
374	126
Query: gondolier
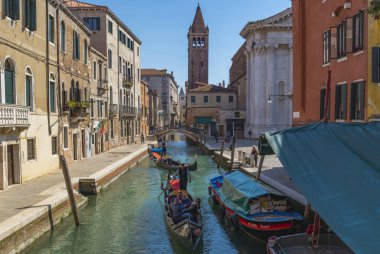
183	176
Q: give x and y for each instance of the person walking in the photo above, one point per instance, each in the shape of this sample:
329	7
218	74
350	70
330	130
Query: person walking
250	134
255	153
142	138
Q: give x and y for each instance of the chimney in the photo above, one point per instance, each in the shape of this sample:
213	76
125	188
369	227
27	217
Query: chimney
224	84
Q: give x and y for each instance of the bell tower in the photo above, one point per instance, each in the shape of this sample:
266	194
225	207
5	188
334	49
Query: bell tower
197	51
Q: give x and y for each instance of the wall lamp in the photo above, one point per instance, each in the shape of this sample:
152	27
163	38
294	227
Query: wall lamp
287	95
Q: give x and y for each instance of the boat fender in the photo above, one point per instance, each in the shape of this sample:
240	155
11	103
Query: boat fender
222	211
209	191
234	222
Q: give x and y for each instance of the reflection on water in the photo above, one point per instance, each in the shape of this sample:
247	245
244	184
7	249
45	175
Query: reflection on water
128	217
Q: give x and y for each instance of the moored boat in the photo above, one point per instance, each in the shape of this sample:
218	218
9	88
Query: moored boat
252	206
188	227
167	163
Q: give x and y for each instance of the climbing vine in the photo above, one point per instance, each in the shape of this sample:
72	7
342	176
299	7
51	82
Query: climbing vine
374	9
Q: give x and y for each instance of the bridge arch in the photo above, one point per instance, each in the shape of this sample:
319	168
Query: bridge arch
193	136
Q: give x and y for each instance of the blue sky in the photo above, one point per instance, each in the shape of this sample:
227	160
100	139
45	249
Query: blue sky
162	26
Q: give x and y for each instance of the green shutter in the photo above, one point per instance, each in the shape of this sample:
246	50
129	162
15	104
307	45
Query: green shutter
9	89
52	97
78	46
74	44
33	16
27	91
15	9
27	13
375	65
361	90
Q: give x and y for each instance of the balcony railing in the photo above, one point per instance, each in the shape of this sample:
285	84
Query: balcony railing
113	110
102	86
127	81
127	111
14	116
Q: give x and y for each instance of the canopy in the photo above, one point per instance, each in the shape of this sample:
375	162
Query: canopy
238	188
337	168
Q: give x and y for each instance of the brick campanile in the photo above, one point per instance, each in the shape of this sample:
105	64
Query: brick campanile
197	50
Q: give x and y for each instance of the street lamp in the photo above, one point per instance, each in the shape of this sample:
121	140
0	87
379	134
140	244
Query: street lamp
287	95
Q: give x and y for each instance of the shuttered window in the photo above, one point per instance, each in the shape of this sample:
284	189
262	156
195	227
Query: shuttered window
63	37
326	46
358	29
52	97
218	98
375	65
342	36
85	50
110	27
76	45
357	100
30	15
205	99
12	9
31	148
341	102
192	99
110	59
54	145
230	98
92	23
65	137
112	133
51	28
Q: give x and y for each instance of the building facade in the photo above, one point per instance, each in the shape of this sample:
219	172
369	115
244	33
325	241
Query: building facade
113	38
339	37
165	85
198	37
154	110
238	76
269	44
144	108
182	106
214	108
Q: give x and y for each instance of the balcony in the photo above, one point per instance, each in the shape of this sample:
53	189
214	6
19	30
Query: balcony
12	116
102	86
127	82
113	110
79	111
127	111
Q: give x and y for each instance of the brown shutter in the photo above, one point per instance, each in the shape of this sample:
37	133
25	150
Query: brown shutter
334	43
349	36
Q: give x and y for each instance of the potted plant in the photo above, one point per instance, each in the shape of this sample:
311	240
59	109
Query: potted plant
374	9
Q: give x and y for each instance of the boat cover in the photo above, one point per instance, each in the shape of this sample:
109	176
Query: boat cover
157	150
157	156
337	168
238	188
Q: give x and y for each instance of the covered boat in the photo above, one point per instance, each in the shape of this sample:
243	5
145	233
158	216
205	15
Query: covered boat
188	227
168	163
252	206
337	168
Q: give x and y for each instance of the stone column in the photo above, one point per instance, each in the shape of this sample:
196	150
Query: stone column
271	88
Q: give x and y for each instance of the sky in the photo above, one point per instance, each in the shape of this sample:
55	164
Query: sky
162	26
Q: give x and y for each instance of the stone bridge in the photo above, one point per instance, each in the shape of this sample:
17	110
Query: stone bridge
193	133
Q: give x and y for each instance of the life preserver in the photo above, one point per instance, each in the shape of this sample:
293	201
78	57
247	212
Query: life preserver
234	222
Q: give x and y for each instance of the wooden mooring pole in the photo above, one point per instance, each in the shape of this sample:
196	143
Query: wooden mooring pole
69	188
262	157
221	154
232	153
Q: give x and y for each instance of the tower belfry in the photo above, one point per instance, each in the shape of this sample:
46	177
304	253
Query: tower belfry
197	50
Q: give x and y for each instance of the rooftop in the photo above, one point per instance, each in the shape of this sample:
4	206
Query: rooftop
208	88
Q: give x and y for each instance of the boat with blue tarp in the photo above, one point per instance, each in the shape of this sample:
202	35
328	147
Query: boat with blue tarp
252	206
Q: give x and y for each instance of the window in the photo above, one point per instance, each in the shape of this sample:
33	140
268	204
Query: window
341	101
31	148
358	28
342	36
76	45
326	46
12	9
92	23
205	99
85	49
65	137
54	145
94	67
110	59
30	15
64	97
237	114
192	99
51	28
111	125
110	27
357	100
92	139
92	108
29	88
120	68
9	76
218	98
52	94
230	98
63	37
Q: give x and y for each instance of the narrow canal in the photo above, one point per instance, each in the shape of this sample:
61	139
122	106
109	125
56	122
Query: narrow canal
128	217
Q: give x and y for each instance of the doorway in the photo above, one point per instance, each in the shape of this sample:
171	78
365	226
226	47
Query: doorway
96	143
75	146
11	165
84	151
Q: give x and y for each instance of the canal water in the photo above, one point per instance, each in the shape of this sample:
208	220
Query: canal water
128	217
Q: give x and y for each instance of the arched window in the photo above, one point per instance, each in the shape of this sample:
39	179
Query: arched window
63	36
52	97
194	43
111	95
85	49
72	91
77	92
198	42
9	73
29	88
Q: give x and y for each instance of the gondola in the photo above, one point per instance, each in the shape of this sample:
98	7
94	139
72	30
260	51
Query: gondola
188	230
168	163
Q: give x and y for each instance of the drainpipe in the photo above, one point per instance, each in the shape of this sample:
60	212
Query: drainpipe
47	65
59	108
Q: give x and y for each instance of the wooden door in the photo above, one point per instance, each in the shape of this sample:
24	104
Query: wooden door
11	169
75	146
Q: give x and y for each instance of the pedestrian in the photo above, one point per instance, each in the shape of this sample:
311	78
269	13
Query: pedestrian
250	134
183	176
216	136
255	153
142	138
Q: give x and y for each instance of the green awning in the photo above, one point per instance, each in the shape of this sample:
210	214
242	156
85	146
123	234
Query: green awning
203	119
